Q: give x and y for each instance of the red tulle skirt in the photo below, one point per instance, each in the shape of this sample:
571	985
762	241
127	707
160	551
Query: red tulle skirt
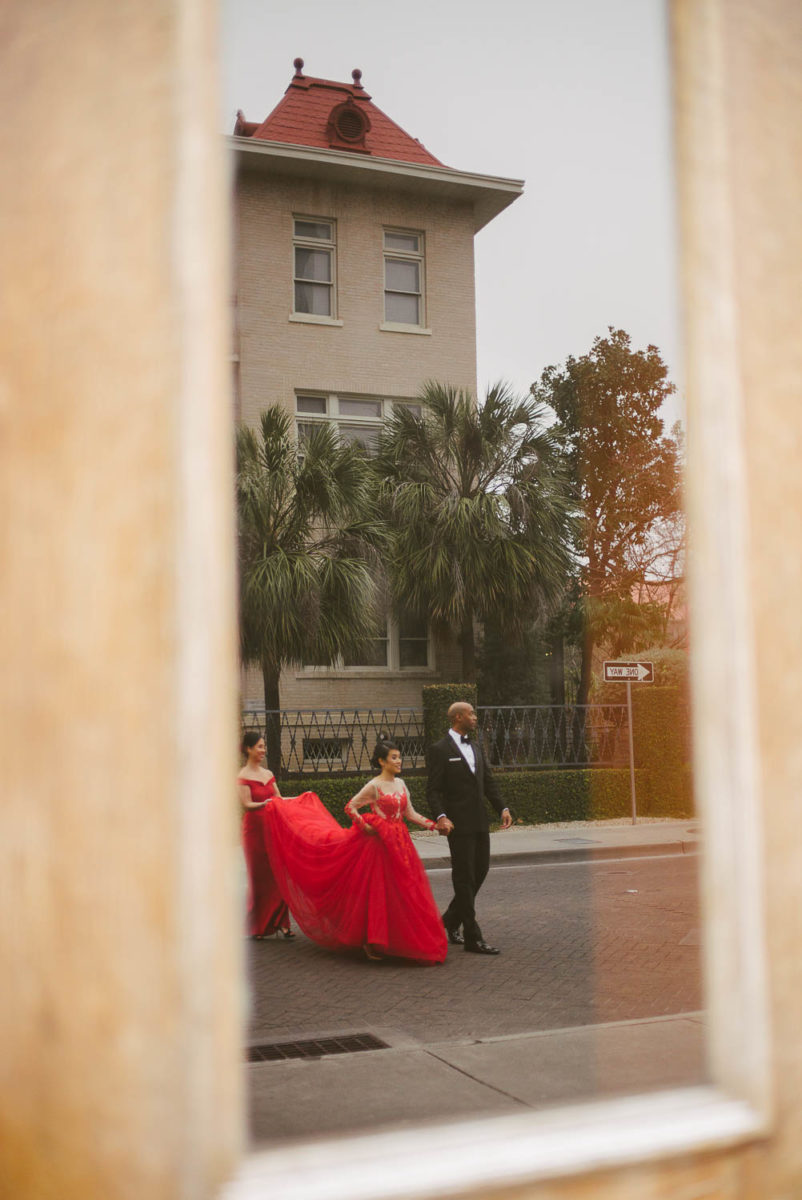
347	888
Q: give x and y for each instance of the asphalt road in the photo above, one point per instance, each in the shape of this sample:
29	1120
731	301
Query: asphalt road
581	944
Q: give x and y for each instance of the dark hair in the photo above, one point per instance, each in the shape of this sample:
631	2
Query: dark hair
383	747
250	739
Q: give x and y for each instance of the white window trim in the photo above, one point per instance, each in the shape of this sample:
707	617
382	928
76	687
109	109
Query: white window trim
405	256
397	327
573	1140
320	244
313	319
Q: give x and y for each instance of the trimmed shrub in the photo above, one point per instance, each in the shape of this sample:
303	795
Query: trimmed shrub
437	699
533	797
661	734
539	797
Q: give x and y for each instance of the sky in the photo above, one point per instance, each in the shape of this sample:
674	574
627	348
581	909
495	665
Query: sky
571	96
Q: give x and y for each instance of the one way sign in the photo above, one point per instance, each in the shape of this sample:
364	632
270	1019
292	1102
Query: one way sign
628	672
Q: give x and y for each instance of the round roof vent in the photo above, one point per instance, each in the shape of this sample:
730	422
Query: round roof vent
348	124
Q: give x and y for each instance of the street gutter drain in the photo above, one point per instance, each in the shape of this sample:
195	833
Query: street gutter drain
315	1047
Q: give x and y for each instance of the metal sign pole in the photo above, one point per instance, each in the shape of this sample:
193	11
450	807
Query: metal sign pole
631	755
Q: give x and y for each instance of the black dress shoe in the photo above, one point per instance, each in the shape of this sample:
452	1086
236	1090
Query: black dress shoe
455	937
480	948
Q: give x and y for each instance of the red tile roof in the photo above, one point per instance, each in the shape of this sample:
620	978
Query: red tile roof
304	117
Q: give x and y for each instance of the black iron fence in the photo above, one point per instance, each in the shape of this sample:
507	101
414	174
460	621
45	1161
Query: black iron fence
326	741
341	741
553	735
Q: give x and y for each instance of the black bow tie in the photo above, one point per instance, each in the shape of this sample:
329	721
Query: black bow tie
465	739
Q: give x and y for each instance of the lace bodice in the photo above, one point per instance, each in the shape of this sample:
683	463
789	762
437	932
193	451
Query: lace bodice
394	807
390	805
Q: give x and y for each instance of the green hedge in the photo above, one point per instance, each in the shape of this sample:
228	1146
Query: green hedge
663	784
662	741
437	699
661	732
538	797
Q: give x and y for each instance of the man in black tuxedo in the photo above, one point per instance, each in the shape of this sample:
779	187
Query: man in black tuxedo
459	782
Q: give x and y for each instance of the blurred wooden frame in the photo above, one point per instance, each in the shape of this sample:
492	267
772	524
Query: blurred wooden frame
489	1156
121	1017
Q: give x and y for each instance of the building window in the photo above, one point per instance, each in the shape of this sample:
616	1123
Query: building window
374	653
398	646
358	419
314	267
413	643
403	278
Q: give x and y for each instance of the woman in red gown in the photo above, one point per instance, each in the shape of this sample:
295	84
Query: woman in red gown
359	887
267	911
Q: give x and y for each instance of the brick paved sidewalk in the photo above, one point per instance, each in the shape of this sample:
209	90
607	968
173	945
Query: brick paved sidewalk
581	944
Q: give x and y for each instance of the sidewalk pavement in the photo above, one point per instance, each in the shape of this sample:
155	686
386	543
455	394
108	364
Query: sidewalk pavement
573	841
412	1083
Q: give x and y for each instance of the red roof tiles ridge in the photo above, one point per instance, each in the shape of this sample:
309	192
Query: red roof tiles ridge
303	117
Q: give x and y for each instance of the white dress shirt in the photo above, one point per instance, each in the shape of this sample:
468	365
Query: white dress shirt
465	749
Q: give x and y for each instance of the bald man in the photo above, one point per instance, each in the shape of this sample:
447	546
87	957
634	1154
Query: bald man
459	784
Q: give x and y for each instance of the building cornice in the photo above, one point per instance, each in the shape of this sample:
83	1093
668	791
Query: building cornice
488	194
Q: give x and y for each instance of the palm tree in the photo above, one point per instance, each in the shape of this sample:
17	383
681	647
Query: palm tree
479	510
308	541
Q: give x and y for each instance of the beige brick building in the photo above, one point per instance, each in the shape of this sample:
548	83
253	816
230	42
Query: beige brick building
354	285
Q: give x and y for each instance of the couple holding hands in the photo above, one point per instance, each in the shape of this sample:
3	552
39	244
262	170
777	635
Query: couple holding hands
366	886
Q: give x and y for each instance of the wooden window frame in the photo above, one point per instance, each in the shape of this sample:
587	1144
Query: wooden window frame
736	1107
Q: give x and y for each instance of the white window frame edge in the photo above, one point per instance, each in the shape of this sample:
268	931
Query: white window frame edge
497	1152
726	761
575	1139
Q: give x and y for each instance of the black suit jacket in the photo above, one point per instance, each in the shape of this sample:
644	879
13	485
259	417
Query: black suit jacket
452	787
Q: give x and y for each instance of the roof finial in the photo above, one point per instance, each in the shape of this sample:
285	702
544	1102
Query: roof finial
356	75
298	63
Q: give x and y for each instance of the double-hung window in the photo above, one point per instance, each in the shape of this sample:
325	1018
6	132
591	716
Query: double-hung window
403	278
314	267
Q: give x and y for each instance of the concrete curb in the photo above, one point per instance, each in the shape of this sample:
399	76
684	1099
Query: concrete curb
599	854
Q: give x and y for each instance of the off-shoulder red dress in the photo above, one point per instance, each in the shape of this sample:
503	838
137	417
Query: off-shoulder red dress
347	888
267	909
